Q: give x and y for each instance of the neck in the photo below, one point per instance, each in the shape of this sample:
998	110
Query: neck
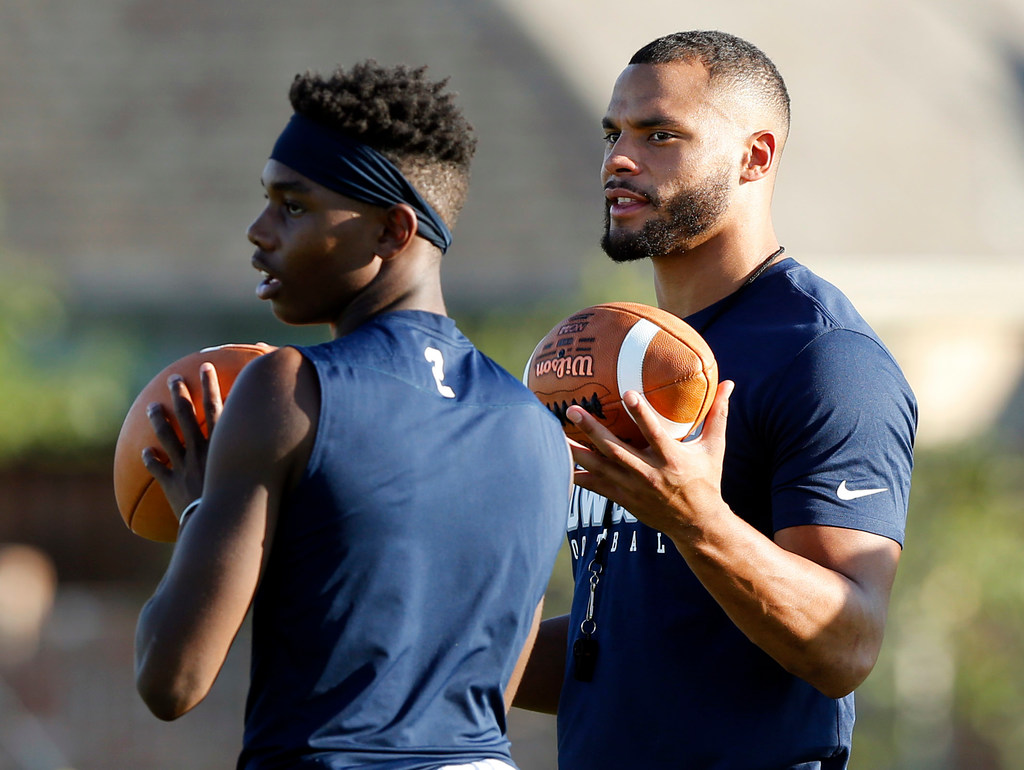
407	284
689	281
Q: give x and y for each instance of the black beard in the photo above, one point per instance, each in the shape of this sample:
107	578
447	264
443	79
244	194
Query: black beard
686	215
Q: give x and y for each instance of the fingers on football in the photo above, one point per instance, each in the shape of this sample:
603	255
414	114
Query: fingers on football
213	403
646	418
718	415
158	463
603	439
185	412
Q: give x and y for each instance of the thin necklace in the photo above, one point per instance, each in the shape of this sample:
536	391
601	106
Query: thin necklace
727	303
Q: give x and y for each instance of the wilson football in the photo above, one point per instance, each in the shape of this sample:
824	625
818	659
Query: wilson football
595	355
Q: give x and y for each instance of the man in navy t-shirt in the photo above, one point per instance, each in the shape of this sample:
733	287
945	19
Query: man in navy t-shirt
731	591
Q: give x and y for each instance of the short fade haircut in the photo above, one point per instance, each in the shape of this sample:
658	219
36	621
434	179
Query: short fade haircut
405	117
731	63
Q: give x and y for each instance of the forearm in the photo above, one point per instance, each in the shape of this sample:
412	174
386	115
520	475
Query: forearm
815	598
541	684
186	629
169	683
816	622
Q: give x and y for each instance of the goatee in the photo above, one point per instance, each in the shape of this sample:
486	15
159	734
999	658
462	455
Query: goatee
685	216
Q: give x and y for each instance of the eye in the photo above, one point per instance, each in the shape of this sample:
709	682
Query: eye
611	138
293	209
660	136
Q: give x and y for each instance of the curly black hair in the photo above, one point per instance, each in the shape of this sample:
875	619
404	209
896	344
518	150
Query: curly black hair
731	61
405	117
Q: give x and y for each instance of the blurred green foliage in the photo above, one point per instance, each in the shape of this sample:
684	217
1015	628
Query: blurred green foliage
948	689
62	390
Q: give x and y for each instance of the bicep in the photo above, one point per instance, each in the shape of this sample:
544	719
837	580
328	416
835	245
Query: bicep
843	603
865	559
843	457
541	682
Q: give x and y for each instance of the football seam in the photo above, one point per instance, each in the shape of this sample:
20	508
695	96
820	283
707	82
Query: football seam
138	502
618	308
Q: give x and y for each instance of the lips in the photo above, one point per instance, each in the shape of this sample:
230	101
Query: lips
270	285
623	202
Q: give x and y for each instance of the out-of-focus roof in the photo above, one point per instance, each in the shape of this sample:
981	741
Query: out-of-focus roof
134	134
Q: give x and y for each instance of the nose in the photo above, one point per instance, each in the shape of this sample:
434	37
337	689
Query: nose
618	161
258	232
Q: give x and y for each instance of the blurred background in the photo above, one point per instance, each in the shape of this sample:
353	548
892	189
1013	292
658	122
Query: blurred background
132	136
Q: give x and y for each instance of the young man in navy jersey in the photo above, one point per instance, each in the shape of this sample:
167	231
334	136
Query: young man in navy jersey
738	643
347	492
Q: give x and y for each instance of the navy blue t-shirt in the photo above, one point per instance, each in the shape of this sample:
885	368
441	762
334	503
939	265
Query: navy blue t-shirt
406	567
820	431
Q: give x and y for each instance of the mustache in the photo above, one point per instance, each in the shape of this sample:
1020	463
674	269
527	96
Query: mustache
620	185
652	198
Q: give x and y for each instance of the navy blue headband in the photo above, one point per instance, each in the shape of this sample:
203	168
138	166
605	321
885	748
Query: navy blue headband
356	170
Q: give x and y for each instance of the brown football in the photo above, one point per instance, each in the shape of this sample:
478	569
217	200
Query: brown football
139	497
595	355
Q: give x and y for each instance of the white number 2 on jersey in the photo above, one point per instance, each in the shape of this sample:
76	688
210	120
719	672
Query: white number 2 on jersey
433	355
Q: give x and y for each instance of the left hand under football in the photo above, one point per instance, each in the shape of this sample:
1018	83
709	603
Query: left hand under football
668	485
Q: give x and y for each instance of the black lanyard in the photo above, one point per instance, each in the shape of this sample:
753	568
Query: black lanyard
584	649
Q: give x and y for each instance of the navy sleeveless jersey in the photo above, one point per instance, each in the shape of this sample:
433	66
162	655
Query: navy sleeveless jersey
820	431
406	566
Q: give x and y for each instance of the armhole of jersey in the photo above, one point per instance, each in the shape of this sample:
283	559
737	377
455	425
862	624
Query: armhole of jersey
316	453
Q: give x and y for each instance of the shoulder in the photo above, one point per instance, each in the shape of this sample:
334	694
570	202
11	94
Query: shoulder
274	393
807	303
842	372
801	354
832	347
842	350
787	314
278	373
842	387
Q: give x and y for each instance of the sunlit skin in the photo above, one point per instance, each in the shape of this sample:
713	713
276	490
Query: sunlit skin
655	157
665	131
815	598
323	260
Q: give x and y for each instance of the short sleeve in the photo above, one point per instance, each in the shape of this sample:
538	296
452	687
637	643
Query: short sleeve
841	426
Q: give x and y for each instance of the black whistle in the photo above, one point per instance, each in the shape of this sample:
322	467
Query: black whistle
584	656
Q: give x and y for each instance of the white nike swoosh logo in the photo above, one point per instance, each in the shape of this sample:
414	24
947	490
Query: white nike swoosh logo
852	494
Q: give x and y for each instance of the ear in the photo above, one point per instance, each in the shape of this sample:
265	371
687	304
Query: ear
398	229
759	158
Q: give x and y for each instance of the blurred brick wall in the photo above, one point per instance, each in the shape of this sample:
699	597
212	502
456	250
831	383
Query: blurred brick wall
70	514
